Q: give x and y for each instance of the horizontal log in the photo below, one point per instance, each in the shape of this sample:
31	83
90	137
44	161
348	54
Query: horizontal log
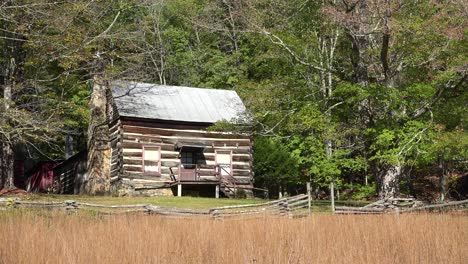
181	132
245	173
195	141
120	212
127	167
356	212
136	169
112	206
128	154
298	203
176	210
114	174
436	206
234	150
217	142
274	203
176	214
358	209
241	166
126	144
140	176
170	163
170	155
187	139
115	127
115	165
132	161
247	212
138	184
32	203
143	138
147	187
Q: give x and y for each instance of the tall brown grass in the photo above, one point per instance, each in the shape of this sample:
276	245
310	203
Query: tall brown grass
27	237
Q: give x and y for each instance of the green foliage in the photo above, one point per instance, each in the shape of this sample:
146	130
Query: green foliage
364	191
274	164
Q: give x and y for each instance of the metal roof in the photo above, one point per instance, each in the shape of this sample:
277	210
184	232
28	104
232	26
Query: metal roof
176	103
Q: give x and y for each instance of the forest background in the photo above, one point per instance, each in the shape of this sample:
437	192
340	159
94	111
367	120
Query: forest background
368	94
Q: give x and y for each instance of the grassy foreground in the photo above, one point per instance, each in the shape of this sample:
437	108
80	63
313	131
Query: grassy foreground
56	237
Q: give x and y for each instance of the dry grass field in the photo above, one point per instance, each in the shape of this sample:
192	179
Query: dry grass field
54	237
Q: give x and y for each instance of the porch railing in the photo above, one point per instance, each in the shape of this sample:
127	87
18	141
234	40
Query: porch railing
189	172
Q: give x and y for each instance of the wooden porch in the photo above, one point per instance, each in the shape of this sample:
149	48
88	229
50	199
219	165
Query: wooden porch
223	181
189	174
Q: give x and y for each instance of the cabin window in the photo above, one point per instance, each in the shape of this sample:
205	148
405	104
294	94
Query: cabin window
186	157
152	161
223	161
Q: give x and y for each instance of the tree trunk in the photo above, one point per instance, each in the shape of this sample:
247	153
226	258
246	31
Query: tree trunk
7	157
7	166
389	181
68	146
99	150
443	180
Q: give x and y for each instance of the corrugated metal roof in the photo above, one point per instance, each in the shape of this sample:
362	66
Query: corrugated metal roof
176	103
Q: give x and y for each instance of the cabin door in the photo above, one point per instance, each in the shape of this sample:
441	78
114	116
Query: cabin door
189	160
223	161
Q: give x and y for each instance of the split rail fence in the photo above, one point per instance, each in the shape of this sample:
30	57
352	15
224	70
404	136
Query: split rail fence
295	206
401	205
292	207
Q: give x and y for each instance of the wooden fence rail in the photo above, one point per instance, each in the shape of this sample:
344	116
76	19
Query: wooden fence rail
291	207
399	205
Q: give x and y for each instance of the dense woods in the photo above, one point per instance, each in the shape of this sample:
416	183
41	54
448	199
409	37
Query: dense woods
370	95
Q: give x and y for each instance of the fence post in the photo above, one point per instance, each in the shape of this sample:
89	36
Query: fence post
215	214
70	205
332	194
284	209
309	197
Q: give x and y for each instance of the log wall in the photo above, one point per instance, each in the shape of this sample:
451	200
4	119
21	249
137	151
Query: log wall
115	137
130	137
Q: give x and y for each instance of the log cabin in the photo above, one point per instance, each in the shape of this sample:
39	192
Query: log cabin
160	143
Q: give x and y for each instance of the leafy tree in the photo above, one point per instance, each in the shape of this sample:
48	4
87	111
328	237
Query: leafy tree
275	166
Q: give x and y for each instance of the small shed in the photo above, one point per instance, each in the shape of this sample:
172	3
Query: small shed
41	177
160	143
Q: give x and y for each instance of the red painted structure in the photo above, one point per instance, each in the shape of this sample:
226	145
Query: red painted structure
42	177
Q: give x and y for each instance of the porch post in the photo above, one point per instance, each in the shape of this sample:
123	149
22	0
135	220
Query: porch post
217	191
179	190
